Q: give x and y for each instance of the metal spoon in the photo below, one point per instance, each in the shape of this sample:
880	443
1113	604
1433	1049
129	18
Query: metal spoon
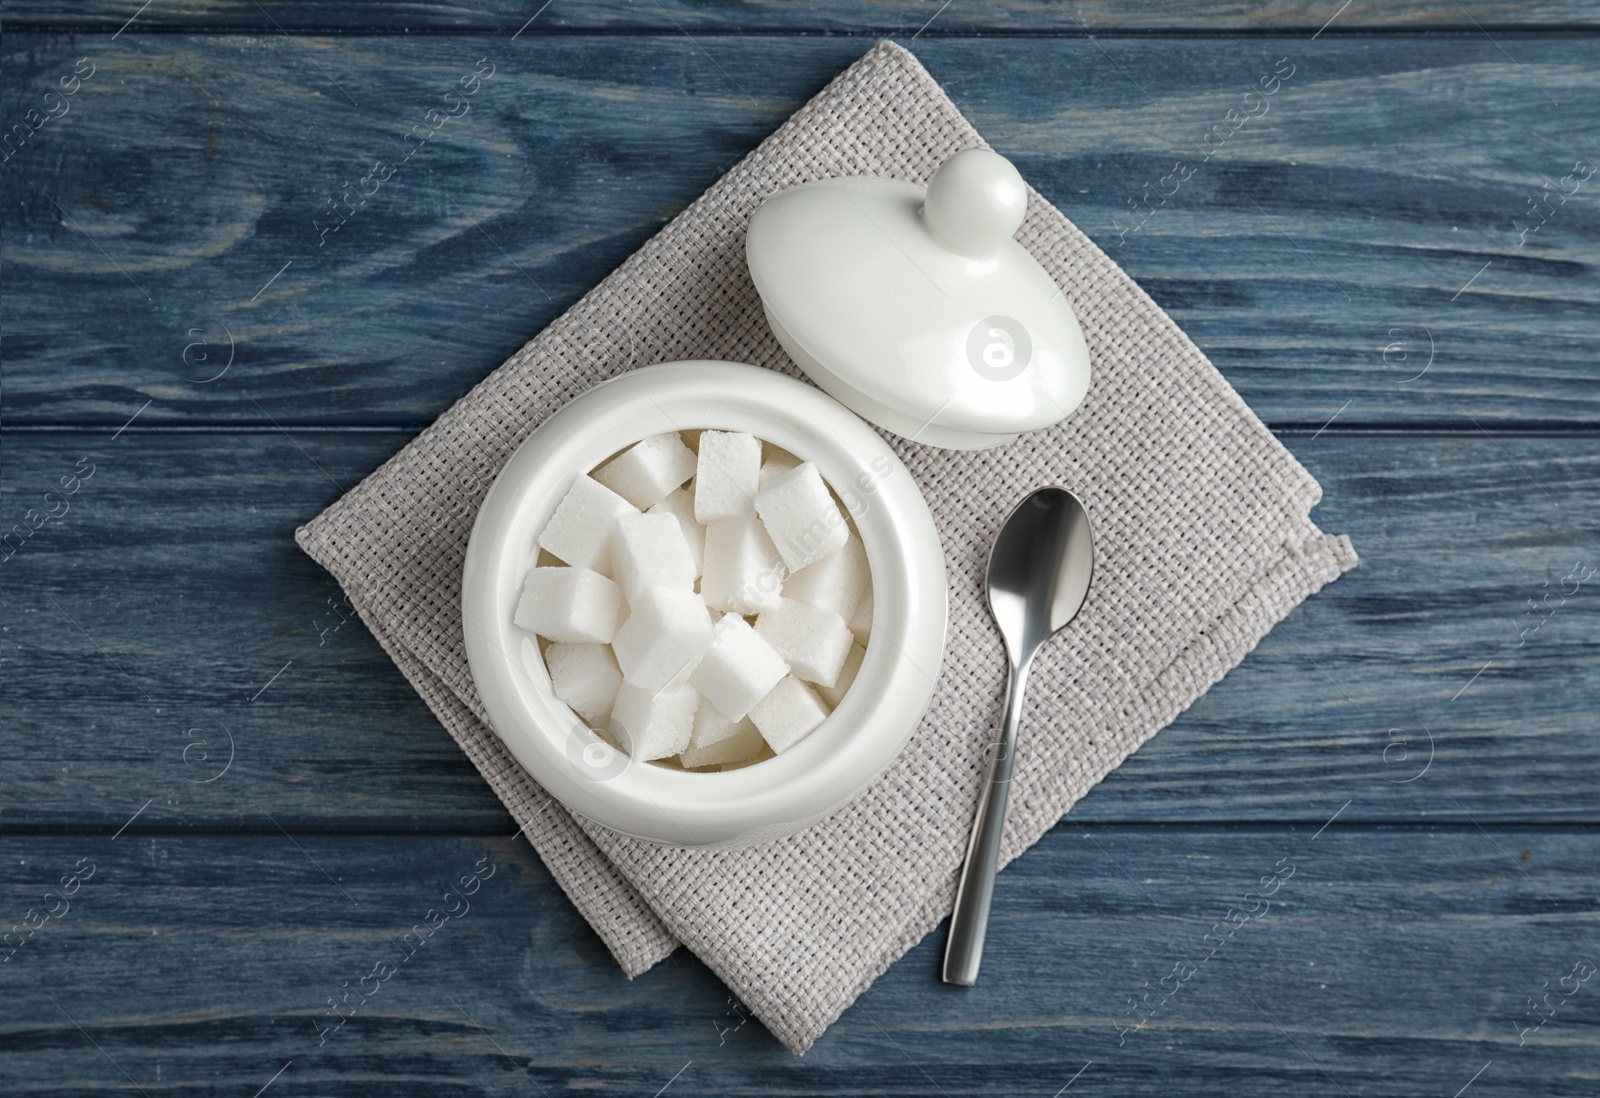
1039	573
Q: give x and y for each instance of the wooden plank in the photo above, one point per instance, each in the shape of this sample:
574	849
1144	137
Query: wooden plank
191	653
1382	962
1322	259
1417	686
922	18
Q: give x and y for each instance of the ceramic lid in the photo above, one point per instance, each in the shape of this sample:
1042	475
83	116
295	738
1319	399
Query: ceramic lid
916	308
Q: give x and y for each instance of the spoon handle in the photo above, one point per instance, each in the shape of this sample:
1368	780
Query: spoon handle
969	921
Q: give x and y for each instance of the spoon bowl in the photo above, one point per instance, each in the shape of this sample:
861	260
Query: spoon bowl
1040	569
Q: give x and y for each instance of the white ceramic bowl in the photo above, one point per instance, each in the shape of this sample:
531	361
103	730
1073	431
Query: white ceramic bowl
836	761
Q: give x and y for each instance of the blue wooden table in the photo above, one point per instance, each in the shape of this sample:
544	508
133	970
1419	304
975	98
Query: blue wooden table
220	803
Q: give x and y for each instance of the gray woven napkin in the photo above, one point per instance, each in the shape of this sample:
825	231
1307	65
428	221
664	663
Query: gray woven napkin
1203	544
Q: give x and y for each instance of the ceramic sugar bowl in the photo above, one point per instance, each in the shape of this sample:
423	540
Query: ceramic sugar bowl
829	766
913	310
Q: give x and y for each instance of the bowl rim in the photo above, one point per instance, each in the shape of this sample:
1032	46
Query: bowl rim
838	759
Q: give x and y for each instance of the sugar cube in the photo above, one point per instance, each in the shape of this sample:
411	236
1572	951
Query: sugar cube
663	639
839	581
861	620
585	676
743	571
679	503
570	604
649	551
580	531
787	714
738	669
710	726
813	640
764	754
741	747
653	724
834	694
647	471
727	475
775	463
801	516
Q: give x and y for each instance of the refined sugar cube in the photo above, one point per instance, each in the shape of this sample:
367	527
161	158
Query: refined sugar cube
766	753
861	621
710	726
645	473
663	639
742	746
727	475
801	516
777	462
680	505
834	694
585	676
787	714
630	644
580	530
813	640
839	581
738	669
649	551
570	604
654	724
743	571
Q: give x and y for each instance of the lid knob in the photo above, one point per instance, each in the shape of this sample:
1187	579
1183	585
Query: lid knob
975	203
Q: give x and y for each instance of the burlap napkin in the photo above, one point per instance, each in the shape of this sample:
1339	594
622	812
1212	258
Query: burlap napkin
1203	544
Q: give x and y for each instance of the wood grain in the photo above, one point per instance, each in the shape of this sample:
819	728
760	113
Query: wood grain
171	593
203	962
920	18
267	803
1321	256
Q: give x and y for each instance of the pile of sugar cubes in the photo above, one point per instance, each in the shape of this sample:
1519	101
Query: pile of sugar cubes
701	599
